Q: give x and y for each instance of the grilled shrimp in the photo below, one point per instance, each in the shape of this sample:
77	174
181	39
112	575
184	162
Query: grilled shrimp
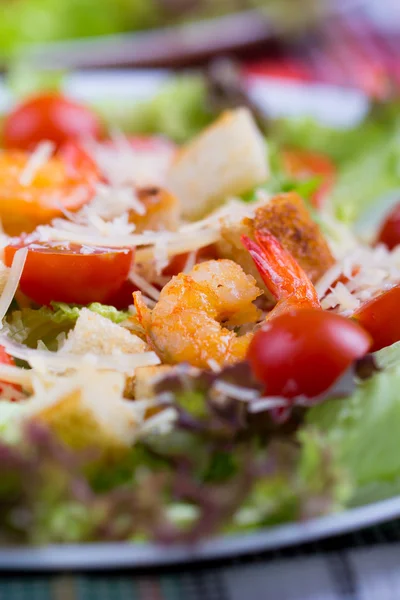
281	273
190	321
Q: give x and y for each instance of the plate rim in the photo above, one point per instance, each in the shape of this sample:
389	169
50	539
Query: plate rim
123	555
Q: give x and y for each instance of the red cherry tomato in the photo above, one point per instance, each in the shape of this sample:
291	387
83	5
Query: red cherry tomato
179	261
390	230
70	273
380	318
49	117
303	164
304	352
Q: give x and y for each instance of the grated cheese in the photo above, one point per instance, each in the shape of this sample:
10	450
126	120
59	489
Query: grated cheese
45	361
143	285
267	404
237	392
367	272
13	280
190	262
122	164
11	374
37	160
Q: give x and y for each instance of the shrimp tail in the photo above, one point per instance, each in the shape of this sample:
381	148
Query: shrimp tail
143	312
281	273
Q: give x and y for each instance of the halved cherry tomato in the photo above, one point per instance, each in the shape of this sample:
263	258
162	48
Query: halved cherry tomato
390	230
178	262
69	272
380	317
303	164
304	352
77	159
49	117
61	183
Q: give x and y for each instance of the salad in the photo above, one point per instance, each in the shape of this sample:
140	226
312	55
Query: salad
199	317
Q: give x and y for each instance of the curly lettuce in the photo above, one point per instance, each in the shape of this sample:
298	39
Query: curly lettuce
46	324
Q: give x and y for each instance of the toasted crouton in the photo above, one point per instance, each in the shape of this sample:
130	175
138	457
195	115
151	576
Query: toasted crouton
87	411
147	377
227	159
98	335
288	219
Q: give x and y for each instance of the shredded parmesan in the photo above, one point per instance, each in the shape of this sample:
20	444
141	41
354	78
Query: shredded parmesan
235	391
144	285
13	280
37	160
360	276
11	374
190	262
267	404
123	164
45	361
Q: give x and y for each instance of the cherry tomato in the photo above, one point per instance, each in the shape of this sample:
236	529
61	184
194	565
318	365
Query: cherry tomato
178	262
390	230
60	183
49	117
379	317
303	164
304	352
69	272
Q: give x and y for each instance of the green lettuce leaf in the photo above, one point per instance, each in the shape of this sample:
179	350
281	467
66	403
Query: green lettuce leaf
29	326
367	156
179	110
365	429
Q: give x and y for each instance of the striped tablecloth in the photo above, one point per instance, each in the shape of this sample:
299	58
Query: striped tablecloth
361	566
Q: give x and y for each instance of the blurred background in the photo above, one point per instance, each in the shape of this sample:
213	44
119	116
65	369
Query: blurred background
350	43
291	38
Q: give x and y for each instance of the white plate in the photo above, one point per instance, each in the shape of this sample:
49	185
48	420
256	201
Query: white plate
134	555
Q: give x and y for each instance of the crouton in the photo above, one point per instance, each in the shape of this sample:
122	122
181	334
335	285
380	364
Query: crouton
87	411
98	335
228	158
146	378
288	219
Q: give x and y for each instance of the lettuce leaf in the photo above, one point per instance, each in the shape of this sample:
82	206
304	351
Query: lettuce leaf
367	156
29	326
179	110
365	430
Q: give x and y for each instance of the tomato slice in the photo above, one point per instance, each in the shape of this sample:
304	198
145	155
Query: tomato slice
380	317
390	230
303	164
69	272
304	352
49	117
61	183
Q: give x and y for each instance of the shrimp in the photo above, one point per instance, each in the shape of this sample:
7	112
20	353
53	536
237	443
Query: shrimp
190	321
281	273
